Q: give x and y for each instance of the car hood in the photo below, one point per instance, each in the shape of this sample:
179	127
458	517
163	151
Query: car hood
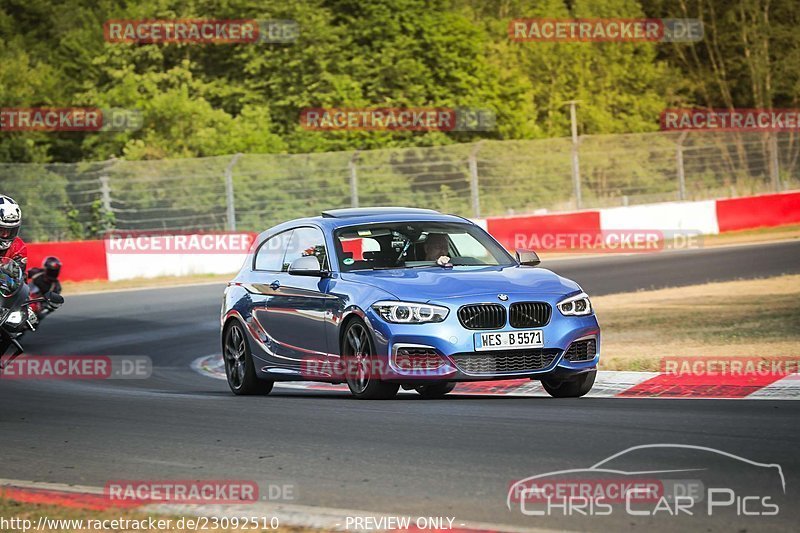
436	283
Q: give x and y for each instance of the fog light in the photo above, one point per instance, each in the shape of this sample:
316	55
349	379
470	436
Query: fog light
411	359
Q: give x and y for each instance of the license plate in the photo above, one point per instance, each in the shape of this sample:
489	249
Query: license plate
504	340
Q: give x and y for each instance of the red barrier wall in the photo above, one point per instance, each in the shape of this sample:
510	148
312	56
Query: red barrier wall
82	260
515	232
86	260
758	211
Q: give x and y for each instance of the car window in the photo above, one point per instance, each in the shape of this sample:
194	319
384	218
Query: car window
468	246
355	248
417	244
305	242
270	254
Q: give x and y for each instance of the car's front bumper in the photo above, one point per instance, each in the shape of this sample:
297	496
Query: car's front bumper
455	346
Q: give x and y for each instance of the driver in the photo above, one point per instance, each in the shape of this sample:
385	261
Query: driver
11	245
437	247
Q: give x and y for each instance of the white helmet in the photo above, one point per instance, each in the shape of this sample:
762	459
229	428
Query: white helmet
10	221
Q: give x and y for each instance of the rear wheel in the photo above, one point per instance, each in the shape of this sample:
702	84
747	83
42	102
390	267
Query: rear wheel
433	391
239	367
570	388
359	357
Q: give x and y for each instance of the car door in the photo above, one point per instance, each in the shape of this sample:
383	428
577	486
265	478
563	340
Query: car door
267	267
299	306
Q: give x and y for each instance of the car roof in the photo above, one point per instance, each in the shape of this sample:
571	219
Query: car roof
337	218
374	211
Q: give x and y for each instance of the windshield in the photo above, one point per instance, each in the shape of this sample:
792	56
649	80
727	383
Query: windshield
415	245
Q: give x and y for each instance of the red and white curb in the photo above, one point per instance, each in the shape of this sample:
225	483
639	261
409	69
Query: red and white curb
291	515
609	384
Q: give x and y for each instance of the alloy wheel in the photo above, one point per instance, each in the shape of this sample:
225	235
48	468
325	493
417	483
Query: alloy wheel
235	356
359	353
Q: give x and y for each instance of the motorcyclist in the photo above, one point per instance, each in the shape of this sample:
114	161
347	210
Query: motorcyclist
45	279
11	245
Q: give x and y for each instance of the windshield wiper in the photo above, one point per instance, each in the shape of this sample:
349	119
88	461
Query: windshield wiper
401	267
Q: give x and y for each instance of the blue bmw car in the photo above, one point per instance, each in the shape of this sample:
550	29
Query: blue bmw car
383	298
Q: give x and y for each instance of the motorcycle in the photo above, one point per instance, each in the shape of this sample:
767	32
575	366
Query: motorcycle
16	314
40	304
43	280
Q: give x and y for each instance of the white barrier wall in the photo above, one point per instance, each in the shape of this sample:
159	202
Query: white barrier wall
142	254
127	266
698	217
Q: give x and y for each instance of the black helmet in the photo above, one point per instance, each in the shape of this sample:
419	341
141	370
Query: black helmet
52	267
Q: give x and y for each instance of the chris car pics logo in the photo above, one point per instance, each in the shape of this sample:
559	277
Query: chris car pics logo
656	480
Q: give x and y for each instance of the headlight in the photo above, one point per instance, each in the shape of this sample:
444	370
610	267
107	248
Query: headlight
409	312
14	318
578	305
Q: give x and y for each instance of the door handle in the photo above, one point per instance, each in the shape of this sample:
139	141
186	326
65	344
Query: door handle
275	285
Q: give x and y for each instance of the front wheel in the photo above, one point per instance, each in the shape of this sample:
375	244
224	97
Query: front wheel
434	391
570	388
239	367
359	357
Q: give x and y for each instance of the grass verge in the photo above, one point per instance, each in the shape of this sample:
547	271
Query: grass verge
738	318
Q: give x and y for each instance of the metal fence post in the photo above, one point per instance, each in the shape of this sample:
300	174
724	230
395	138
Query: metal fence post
774	165
229	199
474	184
106	220
679	164
576	171
353	179
105	194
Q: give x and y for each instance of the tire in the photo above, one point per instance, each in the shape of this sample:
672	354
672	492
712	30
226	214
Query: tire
239	368
358	352
435	390
570	388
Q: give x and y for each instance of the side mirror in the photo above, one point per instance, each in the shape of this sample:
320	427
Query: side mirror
54	299
307	266
528	258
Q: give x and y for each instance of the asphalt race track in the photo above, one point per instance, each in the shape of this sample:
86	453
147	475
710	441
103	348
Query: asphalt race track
456	456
